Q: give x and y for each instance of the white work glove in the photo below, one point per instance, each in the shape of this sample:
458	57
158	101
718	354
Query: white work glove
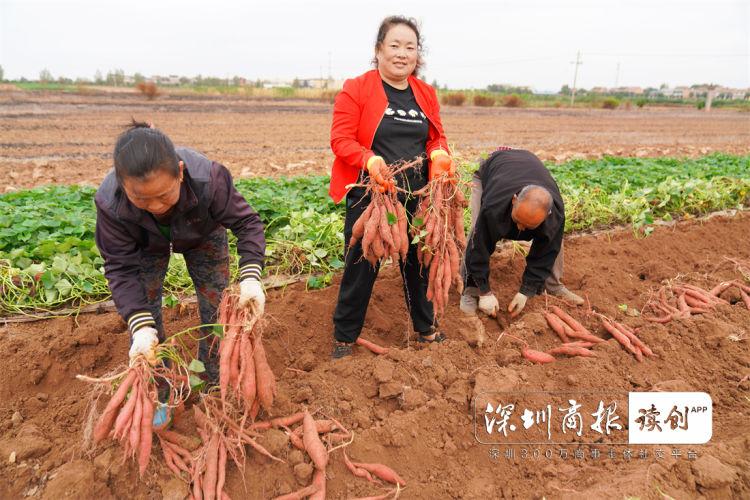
489	305
517	304
145	341
251	294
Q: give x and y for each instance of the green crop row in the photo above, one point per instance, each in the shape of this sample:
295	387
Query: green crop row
48	257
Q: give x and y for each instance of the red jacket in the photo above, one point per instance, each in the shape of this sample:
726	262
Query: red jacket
357	112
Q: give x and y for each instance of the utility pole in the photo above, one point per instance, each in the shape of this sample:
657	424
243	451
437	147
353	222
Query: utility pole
577	62
617	75
329	81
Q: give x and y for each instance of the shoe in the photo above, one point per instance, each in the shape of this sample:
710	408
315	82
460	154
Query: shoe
439	337
341	350
468	305
568	296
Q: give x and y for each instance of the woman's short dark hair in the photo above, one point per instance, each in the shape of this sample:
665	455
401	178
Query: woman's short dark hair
141	150
391	21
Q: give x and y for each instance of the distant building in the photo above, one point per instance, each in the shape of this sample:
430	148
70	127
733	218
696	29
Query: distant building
166	80
321	83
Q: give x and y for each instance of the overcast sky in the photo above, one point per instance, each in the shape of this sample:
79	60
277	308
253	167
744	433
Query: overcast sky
469	43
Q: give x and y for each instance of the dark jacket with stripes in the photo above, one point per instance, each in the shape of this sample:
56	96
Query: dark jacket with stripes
208	199
503	175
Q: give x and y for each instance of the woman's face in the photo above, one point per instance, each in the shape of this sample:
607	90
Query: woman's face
397	55
158	193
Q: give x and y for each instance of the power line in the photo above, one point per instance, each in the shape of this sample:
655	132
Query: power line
652	54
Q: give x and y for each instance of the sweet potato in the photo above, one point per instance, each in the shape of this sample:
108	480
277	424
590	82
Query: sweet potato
146	438
234	363
169	460
381	471
126	414
621	338
278	422
719	289
222	472
313	445
371	230
265	379
371	346
319	481
248	384
584	336
693	302
557	326
402	228
574	324
225	357
357	471
134	433
186	442
638	343
385	229
211	474
537	356
107	419
299	494
580	343
358	230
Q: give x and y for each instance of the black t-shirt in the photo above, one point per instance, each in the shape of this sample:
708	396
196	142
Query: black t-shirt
402	135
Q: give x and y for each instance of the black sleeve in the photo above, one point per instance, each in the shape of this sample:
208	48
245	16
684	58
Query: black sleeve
231	210
478	250
539	262
122	264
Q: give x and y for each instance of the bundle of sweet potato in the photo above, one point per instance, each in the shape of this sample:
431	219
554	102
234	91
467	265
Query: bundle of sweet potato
438	228
243	368
687	300
382	227
307	438
128	417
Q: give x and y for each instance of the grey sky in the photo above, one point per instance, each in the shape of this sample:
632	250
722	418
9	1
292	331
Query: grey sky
470	43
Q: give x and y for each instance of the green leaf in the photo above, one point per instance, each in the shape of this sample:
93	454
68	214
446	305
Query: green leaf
50	295
171	300
392	218
64	287
622	307
417	221
196	366
218	330
195	382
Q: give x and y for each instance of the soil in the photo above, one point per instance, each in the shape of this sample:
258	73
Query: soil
68	138
411	409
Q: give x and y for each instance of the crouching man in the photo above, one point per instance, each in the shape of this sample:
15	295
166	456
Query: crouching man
514	197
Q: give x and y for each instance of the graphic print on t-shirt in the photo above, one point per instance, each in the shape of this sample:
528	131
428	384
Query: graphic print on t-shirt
402	133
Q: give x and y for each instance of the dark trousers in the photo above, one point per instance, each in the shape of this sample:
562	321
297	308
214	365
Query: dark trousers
359	278
208	266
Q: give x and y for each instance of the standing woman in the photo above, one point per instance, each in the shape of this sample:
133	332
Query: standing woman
381	117
160	199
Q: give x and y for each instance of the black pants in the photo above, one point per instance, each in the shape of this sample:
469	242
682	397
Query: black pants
359	278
